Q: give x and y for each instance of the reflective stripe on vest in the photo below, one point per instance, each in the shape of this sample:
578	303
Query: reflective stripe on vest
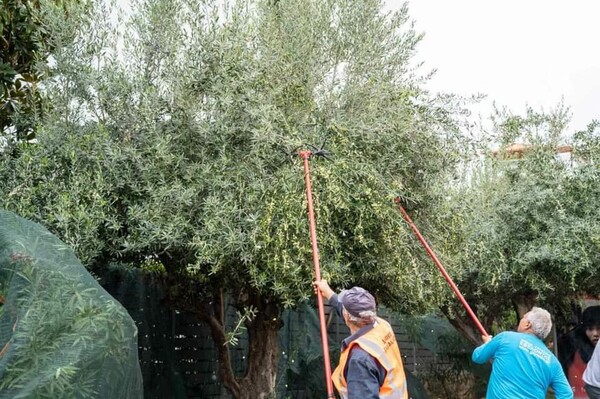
380	342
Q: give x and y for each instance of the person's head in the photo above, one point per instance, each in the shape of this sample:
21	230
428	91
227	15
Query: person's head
590	320
359	307
537	322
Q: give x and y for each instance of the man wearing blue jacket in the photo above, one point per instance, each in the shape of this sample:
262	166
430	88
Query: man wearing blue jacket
523	367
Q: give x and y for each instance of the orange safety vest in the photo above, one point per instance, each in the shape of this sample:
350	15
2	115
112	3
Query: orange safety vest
380	342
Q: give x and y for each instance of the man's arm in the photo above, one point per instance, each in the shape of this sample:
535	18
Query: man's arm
560	385
364	375
485	352
322	286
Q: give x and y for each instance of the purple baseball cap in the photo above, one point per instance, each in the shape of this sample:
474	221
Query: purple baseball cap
356	300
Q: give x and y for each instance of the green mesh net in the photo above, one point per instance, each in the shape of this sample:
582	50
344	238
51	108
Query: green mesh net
61	334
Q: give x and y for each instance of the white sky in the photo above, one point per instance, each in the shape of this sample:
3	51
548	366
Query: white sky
517	52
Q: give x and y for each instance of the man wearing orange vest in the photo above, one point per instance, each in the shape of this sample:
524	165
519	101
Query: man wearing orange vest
370	363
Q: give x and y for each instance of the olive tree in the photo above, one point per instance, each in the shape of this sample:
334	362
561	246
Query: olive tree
526	223
176	143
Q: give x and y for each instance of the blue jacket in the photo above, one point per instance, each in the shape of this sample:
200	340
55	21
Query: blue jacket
523	368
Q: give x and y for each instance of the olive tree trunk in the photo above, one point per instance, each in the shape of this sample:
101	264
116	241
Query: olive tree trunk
258	380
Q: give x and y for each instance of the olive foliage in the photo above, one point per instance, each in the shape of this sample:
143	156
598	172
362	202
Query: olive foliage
186	143
526	222
172	139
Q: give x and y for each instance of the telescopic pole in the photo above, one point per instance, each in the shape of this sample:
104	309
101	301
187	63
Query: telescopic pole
441	268
305	155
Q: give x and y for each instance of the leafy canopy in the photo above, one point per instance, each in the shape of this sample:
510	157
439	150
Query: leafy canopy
529	220
182	147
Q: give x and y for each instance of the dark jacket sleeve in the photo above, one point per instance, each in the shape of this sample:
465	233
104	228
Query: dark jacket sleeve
335	303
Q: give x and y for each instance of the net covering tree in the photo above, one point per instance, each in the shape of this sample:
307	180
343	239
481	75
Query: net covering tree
62	335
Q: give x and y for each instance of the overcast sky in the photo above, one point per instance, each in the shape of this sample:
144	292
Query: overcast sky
517	52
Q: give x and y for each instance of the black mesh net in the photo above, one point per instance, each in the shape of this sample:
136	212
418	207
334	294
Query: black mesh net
61	334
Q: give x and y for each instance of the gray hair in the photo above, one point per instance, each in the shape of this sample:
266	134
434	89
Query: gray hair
541	322
365	317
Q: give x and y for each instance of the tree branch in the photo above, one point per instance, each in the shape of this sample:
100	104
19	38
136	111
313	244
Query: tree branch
216	322
464	326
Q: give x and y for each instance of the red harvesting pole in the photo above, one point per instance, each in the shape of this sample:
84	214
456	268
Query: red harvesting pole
305	155
439	266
